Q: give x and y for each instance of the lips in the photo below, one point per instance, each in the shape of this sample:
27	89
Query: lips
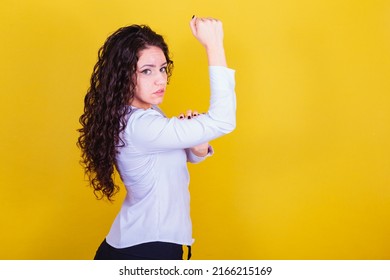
160	92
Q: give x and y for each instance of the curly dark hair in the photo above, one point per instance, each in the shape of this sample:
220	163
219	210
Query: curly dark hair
106	103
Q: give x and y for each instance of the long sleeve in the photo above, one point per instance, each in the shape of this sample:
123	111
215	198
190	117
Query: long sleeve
151	132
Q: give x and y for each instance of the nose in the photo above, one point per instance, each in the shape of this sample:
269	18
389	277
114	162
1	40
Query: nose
161	79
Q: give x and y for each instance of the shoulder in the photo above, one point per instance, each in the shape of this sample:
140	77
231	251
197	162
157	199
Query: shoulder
141	118
136	114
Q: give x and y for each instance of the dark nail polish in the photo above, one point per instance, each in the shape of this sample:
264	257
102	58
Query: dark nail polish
181	117
193	16
189	117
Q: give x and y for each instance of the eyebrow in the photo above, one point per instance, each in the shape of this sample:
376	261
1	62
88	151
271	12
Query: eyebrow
153	65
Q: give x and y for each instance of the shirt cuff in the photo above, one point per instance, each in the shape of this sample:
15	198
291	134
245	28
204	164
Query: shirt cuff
195	159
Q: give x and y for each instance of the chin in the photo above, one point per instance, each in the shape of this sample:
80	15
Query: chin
158	102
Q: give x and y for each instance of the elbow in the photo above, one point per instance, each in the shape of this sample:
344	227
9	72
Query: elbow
232	127
229	127
225	123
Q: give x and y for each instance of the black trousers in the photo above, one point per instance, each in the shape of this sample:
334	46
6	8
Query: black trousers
145	251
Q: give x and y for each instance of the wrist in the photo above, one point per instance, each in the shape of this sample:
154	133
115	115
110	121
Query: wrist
200	152
216	56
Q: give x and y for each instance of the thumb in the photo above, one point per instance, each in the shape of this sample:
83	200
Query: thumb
193	25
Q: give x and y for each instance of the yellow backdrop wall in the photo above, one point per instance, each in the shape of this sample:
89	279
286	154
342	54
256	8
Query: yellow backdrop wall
306	174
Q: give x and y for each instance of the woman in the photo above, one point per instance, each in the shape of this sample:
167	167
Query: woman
122	127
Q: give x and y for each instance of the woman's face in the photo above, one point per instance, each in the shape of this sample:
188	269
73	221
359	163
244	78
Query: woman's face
151	78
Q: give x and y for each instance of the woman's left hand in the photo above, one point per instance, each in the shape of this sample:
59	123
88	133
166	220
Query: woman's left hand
199	150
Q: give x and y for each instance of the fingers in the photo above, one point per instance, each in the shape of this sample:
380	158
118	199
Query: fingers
208	31
189	114
193	25
196	21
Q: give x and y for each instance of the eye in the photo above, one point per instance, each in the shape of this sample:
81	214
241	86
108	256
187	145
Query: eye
163	70
146	71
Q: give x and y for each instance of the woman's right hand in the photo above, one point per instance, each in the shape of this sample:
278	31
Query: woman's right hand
209	33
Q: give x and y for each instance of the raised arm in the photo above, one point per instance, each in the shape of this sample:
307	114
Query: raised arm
152	132
209	33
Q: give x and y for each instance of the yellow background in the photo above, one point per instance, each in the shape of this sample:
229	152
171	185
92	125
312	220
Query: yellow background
306	174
